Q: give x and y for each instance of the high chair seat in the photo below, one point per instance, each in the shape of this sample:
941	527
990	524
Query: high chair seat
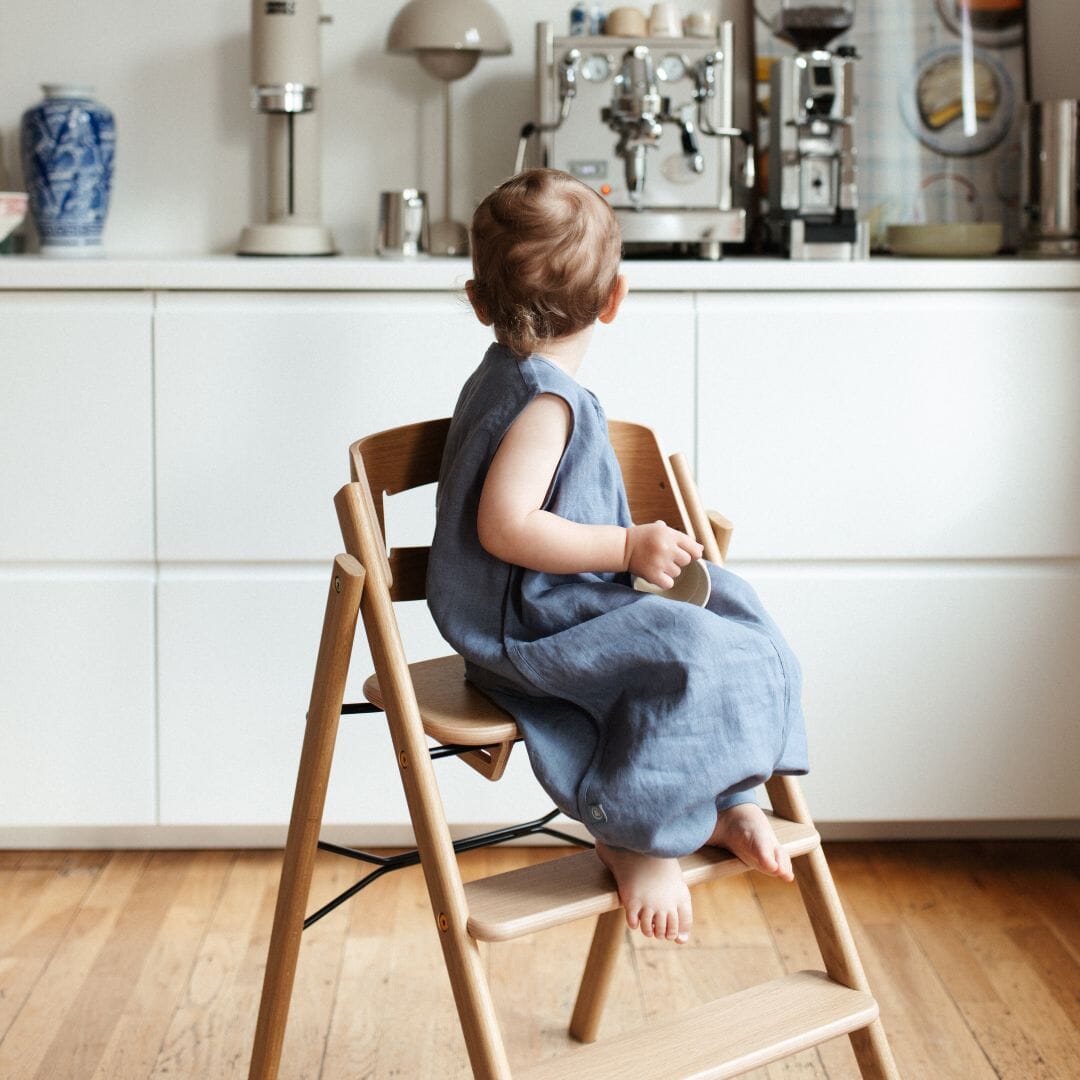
452	710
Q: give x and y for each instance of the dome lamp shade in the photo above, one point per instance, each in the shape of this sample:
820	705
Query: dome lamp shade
448	37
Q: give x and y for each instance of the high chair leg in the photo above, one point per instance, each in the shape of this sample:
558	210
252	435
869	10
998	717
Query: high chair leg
607	942
831	930
327	695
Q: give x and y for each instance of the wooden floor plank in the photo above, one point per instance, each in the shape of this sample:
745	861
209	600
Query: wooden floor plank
211	1030
136	1039
41	1022
79	1045
37	910
322	950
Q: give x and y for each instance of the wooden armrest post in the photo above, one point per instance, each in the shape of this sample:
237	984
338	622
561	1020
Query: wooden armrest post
699	520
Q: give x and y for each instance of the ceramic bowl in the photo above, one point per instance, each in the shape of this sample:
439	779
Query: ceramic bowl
959	240
12	212
692	586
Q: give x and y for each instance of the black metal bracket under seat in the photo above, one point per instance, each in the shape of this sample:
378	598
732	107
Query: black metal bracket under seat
386	863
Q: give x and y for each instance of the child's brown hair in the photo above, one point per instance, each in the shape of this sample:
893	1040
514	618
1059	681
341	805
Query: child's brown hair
545	252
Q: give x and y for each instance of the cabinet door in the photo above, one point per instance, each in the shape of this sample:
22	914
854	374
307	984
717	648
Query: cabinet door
77	716
902	472
260	396
238	652
902	425
75	427
935	694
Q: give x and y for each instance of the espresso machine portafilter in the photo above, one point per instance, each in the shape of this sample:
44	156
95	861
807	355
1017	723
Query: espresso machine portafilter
285	75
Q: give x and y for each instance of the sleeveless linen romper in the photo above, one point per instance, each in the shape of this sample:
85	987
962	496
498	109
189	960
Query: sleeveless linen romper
641	715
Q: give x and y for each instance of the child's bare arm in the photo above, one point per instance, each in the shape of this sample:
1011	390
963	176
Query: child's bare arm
512	527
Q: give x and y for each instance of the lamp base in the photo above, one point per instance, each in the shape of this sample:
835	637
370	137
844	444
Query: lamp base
448	238
286	238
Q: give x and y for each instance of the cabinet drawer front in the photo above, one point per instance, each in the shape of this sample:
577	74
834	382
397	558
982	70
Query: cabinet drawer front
870	425
77	712
935	692
237	656
258	398
76	428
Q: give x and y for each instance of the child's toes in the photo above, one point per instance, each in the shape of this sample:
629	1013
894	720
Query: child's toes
645	921
686	920
633	916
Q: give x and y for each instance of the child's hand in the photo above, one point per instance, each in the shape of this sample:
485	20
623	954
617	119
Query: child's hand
658	553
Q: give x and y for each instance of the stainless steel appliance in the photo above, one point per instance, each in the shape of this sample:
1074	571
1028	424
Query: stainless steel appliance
403	224
813	198
647	122
1050	184
285	68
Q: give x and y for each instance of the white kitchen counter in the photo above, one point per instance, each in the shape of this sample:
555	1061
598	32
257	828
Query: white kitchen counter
350	273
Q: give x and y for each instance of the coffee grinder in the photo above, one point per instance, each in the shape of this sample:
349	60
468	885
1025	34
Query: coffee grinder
285	67
813	198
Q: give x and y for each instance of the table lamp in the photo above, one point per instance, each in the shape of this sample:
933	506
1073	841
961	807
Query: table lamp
448	37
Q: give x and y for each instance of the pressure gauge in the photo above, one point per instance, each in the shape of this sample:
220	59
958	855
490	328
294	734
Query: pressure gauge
671	68
595	68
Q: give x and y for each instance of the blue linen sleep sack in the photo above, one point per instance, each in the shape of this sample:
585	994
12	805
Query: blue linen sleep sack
641	715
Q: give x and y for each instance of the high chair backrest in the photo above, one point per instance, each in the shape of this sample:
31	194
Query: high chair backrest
407	457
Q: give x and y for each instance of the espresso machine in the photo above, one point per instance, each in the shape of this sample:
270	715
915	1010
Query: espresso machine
813	197
647	123
285	67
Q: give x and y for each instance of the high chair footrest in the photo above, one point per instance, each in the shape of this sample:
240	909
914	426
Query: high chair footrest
727	1037
574	887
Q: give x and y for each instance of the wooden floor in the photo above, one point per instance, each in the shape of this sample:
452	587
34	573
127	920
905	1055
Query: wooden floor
127	965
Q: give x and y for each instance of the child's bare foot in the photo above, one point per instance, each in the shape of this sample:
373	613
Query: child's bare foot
652	891
745	831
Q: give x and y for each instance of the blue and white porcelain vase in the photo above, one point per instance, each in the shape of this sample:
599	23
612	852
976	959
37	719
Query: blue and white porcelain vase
68	141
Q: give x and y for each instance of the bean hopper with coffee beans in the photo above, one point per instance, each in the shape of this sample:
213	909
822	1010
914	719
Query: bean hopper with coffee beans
813	197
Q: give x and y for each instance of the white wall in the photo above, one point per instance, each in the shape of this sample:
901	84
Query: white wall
189	169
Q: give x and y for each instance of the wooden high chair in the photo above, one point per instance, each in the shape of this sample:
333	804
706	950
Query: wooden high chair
432	700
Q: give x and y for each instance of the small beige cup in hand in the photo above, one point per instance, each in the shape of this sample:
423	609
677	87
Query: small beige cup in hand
692	586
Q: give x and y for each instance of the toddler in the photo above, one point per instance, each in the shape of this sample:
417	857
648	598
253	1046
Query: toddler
647	719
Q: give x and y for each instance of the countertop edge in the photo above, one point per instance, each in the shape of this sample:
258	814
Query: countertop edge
212	273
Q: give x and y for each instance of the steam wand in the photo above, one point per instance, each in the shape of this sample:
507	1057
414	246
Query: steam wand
568	71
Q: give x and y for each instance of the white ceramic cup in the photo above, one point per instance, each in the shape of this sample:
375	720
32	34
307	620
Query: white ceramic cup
692	586
665	20
700	24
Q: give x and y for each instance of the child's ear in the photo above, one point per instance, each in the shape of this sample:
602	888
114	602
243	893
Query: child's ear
618	295
481	314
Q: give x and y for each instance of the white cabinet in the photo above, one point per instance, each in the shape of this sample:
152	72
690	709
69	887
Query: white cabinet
77	722
237	657
76	437
934	693
893	425
904	491
258	398
902	469
77	710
